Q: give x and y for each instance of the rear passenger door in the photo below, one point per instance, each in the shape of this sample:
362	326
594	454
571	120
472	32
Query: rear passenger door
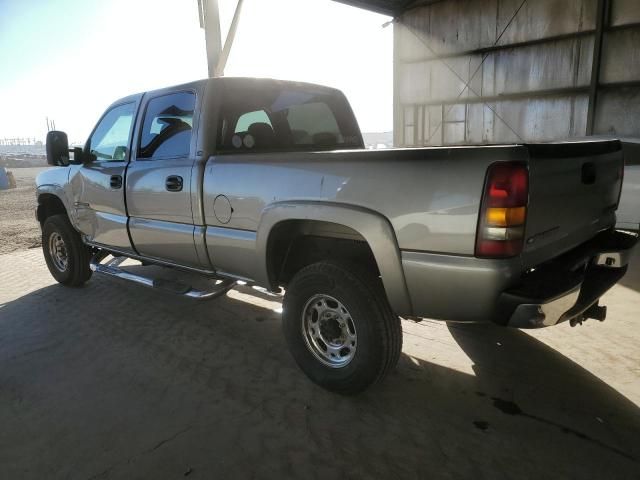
159	180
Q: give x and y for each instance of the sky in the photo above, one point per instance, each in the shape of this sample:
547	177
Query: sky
69	59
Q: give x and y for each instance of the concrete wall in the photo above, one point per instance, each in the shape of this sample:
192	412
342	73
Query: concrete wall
470	72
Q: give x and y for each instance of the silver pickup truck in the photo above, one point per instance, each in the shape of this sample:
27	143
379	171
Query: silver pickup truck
267	182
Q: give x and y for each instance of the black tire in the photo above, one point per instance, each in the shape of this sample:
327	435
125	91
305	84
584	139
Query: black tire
76	270
379	334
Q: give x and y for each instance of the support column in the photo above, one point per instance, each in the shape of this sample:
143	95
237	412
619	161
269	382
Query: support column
601	24
210	20
228	43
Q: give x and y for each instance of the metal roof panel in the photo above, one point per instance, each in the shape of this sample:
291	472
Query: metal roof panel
386	7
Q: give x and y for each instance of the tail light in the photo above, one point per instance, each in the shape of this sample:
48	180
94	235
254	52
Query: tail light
503	211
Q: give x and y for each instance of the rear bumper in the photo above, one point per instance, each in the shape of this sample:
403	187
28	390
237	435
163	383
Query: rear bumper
569	287
469	289
458	288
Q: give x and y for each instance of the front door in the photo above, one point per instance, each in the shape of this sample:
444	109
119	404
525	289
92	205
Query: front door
98	184
159	180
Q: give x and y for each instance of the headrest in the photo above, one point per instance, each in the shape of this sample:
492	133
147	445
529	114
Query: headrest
263	134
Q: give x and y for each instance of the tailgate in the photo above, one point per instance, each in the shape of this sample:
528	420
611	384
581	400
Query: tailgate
574	190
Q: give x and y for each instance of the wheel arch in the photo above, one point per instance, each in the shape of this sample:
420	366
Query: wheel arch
368	230
49	204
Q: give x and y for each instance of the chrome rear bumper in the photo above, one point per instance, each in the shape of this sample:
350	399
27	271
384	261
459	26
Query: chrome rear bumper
569	288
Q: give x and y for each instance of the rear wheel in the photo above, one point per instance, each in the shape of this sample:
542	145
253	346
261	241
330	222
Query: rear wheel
66	256
339	327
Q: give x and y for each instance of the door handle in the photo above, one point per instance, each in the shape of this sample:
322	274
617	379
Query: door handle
116	181
173	183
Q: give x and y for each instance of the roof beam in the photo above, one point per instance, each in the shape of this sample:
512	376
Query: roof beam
379	6
392	8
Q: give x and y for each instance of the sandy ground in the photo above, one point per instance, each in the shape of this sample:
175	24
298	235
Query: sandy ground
18	228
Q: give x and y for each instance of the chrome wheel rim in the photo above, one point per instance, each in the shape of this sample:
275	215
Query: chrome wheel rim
329	331
58	252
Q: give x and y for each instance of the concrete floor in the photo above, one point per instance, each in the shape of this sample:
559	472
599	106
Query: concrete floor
116	381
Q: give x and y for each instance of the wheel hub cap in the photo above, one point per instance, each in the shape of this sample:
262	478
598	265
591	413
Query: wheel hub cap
329	331
58	251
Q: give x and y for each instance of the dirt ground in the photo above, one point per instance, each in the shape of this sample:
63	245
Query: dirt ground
18	228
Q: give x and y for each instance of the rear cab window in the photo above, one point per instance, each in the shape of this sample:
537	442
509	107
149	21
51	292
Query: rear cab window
286	118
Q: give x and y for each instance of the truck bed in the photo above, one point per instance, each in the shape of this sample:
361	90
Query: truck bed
431	196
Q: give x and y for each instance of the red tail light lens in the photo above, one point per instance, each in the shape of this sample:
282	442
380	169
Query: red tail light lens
503	211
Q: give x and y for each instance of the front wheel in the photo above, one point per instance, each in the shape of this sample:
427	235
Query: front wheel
66	256
340	328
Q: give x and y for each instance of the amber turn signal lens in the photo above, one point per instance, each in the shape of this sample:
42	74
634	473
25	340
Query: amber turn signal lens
505	217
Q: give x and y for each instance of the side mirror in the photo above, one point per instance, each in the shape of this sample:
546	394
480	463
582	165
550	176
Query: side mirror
120	153
57	148
78	156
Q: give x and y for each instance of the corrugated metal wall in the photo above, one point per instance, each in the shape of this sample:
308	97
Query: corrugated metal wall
496	71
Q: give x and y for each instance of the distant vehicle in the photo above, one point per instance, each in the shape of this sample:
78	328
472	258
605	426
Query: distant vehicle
269	182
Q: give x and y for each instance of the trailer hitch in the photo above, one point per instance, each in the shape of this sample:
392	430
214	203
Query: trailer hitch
595	311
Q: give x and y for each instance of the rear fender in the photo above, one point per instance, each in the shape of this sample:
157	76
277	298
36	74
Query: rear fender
374	228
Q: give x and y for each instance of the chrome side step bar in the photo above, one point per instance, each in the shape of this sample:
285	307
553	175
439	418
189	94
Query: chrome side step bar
112	269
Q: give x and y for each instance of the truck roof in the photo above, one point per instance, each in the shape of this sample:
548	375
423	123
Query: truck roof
246	82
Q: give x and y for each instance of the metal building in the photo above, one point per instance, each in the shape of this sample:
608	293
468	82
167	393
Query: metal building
495	71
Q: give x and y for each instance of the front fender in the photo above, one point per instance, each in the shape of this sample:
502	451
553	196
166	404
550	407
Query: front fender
55	181
58	192
374	228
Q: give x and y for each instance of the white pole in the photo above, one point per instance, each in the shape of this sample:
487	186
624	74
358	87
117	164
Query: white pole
211	19
222	62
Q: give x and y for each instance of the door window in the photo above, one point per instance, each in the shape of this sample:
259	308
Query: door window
167	127
110	139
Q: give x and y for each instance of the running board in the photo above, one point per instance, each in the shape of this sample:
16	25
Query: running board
112	269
